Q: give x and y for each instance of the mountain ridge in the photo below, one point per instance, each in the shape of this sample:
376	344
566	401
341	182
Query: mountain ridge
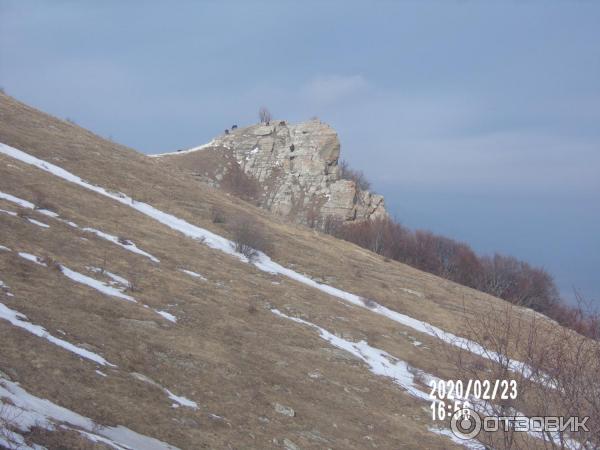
295	169
319	344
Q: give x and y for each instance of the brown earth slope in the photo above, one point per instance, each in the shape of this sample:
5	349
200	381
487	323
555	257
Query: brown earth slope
227	352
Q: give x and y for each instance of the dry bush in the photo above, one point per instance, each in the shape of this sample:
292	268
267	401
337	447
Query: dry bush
217	214
40	200
561	375
238	183
24	269
312	217
134	277
333	225
249	237
23	213
52	263
347	173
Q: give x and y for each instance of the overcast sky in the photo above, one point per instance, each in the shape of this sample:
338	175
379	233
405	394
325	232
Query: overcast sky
476	119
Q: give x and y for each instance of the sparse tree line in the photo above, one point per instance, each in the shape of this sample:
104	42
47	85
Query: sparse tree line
502	276
561	376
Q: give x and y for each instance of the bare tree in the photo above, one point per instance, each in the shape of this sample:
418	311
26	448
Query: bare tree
347	173
264	115
559	375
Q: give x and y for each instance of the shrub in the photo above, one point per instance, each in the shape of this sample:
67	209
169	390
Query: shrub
217	215
359	178
134	277
333	225
124	241
51	263
249	238
236	182
40	199
23	213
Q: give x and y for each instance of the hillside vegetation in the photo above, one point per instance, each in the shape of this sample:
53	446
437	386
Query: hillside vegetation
134	316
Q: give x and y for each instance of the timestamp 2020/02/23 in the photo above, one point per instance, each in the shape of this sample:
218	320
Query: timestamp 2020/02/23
449	396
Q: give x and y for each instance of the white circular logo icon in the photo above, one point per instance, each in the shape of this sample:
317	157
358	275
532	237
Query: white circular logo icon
465	423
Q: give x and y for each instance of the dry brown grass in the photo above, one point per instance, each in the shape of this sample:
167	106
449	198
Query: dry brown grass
234	362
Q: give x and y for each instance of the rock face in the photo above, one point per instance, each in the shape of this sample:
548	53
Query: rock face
297	170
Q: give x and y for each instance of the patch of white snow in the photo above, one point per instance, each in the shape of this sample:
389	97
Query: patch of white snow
20	320
31	411
193	274
95	284
166	315
32	258
39	224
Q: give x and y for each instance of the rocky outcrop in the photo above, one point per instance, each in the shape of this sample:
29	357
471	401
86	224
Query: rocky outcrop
296	166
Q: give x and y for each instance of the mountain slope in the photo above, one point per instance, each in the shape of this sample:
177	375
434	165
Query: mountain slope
291	170
152	321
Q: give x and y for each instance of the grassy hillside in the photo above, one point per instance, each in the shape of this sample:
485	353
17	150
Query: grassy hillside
202	359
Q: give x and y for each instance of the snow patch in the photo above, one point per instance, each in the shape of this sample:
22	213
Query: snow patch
95	284
262	262
410	291
32	258
16	200
39	224
47	212
180	401
123	243
166	315
193	274
379	361
183	152
116	278
126	244
10	213
20	320
6	249
30	411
